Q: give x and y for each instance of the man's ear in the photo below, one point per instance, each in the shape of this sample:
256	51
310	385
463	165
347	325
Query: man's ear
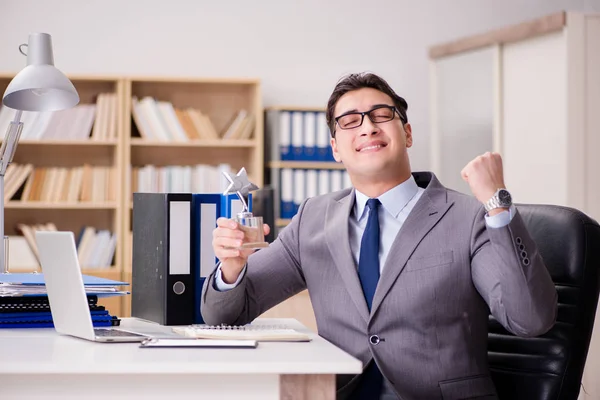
408	133
336	155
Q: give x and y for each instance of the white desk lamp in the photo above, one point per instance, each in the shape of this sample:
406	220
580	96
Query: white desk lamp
40	86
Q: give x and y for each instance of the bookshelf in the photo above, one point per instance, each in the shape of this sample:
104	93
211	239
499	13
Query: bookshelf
126	148
201	114
300	163
66	176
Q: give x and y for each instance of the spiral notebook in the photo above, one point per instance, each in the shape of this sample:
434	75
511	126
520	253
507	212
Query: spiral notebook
260	333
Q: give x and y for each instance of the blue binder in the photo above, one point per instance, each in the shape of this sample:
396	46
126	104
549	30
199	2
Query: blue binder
213	206
204	205
231	204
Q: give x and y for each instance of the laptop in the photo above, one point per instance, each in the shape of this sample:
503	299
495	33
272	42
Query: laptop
66	292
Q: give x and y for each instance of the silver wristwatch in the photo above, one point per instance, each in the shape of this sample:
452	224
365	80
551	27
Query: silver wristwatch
500	199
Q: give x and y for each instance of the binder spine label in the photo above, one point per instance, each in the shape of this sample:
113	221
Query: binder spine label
179	238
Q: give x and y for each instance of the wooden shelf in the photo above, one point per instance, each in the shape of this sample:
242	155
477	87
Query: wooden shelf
185	80
51	153
295	108
138	142
62	143
282	222
220	100
321	175
161	155
306	165
112	272
101	271
59	206
42	155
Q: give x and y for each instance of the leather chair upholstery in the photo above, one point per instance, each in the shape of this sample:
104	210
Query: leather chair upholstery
551	366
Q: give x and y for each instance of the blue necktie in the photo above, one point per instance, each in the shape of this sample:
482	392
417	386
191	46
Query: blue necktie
368	263
368	272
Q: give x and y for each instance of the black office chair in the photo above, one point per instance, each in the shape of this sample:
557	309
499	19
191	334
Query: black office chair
551	366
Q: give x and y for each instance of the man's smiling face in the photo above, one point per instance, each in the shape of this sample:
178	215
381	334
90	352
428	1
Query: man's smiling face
373	148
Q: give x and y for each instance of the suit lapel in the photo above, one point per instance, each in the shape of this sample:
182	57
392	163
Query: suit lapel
430	208
338	241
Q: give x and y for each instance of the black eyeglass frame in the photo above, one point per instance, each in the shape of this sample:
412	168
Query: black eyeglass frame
362	116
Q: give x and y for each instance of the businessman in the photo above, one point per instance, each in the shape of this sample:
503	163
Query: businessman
401	271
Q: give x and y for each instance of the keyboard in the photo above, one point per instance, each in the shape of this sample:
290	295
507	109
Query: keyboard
114	332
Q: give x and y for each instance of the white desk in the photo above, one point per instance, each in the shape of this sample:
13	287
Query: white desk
40	364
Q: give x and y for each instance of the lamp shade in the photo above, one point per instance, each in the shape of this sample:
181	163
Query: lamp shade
40	86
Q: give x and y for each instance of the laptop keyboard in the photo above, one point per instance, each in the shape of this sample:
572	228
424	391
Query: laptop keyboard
114	332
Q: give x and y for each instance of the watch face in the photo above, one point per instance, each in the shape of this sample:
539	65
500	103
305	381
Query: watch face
504	197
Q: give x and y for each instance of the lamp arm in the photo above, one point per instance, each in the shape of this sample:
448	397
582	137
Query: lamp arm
7	151
9	144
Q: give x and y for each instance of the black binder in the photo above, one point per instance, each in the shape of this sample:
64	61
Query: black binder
263	205
163	277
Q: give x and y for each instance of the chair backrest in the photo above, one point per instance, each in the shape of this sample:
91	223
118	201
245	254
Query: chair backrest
551	366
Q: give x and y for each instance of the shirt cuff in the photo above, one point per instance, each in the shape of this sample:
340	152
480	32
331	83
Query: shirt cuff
501	219
220	285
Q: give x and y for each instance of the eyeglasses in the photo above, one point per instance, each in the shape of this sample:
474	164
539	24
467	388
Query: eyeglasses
379	114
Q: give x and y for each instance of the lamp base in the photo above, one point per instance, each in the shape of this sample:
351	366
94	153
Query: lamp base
6	269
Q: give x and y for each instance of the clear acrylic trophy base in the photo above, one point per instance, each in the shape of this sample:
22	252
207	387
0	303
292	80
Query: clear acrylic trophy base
252	226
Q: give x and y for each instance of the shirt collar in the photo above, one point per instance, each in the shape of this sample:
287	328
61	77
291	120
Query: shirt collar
393	201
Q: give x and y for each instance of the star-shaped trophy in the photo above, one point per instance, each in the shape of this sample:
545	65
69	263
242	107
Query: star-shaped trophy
251	225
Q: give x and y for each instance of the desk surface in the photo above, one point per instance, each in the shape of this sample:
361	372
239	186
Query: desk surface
44	351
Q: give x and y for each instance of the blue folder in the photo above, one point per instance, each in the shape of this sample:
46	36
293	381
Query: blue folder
99	321
42	315
38	279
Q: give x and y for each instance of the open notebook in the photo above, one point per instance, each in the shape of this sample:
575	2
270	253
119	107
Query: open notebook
260	333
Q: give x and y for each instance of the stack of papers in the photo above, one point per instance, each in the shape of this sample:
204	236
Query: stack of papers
32	284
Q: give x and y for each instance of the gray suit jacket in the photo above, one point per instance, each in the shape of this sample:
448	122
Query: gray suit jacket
445	271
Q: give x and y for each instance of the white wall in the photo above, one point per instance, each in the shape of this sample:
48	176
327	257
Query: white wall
298	48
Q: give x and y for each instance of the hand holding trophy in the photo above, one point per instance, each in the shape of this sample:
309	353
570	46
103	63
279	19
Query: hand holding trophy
254	237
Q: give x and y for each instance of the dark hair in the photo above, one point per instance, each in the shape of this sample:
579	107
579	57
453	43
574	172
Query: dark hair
358	81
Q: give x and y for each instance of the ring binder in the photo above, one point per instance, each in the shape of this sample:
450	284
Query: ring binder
239	327
261	333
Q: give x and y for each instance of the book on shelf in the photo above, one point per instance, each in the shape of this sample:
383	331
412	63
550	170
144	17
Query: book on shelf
260	333
200	178
159	120
297	184
240	127
14	178
96	121
298	135
95	247
84	183
28	232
